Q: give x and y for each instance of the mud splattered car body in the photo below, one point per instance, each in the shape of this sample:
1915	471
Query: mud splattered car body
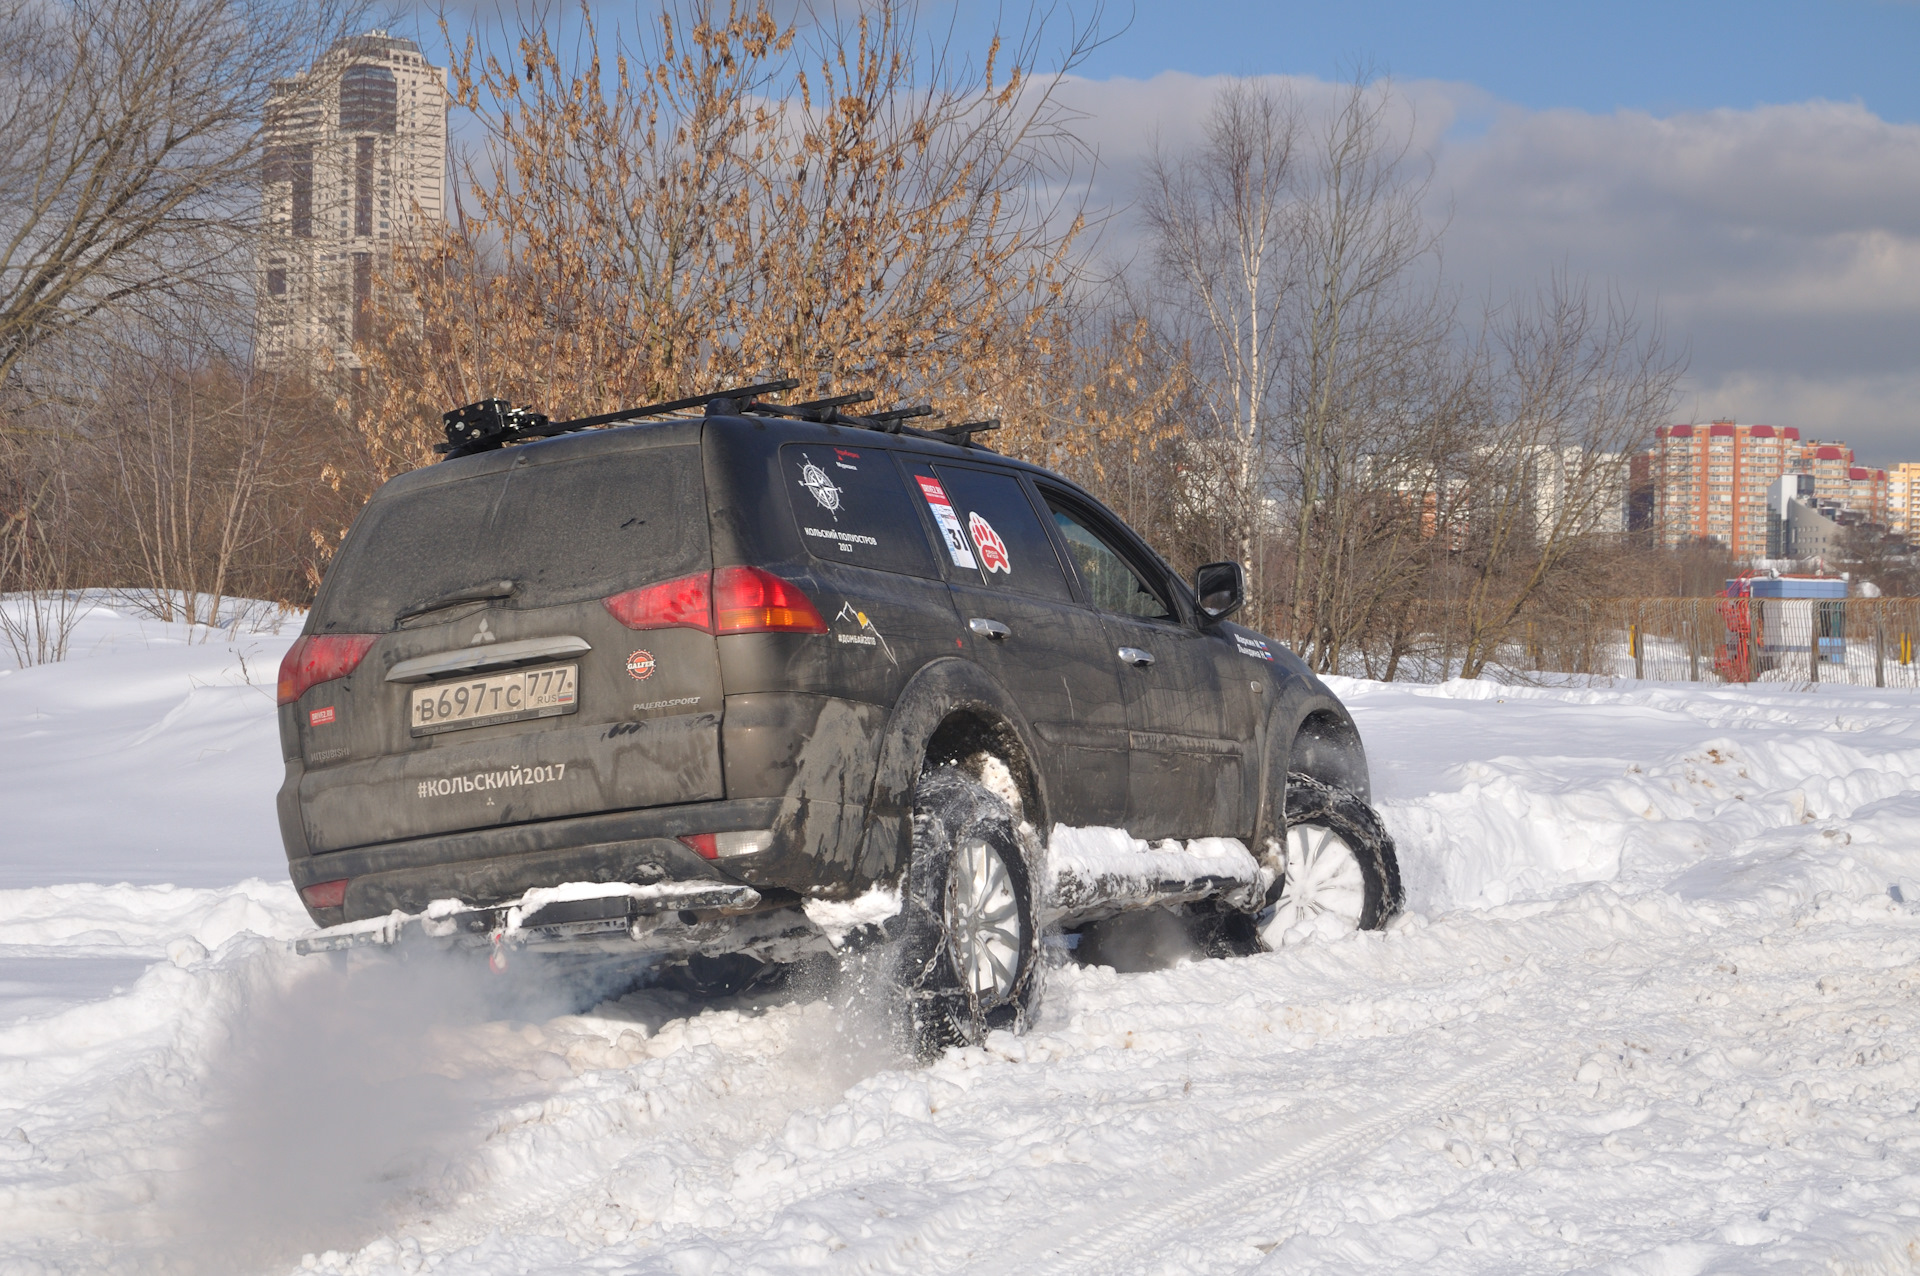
681	681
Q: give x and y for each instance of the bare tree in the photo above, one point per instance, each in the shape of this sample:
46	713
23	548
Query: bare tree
39	600
723	196
186	431
1224	221
1367	317
1582	384
128	131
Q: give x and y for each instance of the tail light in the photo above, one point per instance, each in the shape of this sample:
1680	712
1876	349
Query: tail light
721	845
317	658
747	600
732	600
325	894
682	604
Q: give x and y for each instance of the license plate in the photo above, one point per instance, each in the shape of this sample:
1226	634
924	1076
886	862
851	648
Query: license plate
494	698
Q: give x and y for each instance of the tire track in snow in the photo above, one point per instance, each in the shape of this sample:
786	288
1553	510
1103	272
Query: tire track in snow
1114	1236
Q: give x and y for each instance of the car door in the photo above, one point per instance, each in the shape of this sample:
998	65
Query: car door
1026	628
1190	728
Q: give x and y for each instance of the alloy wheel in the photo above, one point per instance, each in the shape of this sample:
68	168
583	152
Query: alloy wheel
983	922
1324	889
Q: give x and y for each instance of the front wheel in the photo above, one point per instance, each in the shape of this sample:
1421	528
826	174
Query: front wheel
969	961
1337	871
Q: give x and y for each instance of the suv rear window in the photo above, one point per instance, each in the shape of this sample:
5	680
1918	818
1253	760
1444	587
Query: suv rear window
851	507
562	531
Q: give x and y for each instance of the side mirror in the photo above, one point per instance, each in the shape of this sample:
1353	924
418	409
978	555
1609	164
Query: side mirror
1221	589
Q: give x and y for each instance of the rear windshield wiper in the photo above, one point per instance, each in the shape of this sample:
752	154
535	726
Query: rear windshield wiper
471	594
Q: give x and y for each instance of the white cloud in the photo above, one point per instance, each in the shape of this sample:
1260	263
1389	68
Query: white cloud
1781	244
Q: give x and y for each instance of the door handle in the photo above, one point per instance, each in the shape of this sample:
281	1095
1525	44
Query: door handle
992	629
1136	656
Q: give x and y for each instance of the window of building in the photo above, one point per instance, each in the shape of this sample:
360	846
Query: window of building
276	281
362	294
369	99
363	186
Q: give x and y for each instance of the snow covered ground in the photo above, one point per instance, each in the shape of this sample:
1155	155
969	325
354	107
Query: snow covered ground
1652	1012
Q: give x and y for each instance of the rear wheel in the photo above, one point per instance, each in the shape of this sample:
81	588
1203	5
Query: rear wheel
1336	871
969	961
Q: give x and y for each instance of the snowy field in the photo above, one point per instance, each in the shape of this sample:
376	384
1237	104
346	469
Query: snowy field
1652	1012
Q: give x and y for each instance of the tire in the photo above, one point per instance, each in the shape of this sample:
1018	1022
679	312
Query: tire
969	959
1336	871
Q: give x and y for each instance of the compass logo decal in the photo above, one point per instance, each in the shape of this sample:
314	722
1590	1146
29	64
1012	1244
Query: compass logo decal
818	482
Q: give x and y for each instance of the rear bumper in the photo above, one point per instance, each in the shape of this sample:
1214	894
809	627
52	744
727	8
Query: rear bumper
484	867
665	920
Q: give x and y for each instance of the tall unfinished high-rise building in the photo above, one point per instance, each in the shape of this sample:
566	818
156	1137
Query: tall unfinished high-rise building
356	159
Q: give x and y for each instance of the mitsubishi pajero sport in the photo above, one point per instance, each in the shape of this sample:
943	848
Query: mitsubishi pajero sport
773	679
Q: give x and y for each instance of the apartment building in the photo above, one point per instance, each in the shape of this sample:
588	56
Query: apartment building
1710	481
356	160
1903	501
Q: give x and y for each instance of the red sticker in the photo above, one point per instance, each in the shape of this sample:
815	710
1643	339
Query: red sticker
640	665
320	717
846	455
993	550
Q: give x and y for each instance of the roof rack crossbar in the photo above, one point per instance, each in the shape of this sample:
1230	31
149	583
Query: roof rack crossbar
963	433
818	410
494	423
899	414
679	405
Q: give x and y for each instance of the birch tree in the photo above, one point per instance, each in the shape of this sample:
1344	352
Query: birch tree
1224	221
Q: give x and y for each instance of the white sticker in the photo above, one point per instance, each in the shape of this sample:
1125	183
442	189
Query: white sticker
818	482
1252	647
949	521
868	636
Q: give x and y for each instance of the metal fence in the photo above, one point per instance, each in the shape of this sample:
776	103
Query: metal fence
1870	642
1861	641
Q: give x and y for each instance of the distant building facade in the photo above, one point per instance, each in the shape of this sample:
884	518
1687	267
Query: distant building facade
1799	523
356	159
1711	482
1903	501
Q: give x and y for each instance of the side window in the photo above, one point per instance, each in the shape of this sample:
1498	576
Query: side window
989	527
850	507
1111	582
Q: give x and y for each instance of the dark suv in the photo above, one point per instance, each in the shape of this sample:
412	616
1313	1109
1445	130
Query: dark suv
747	685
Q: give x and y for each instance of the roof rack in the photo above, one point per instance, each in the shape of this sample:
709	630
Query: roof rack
494	423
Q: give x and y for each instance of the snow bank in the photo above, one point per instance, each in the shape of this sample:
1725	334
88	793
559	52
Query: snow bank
89	920
1509	812
150	755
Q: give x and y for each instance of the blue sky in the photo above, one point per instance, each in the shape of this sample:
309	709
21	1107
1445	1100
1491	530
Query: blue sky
1681	55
